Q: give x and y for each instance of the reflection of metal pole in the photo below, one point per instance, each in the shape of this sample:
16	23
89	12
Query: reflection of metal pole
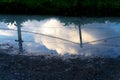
20	39
80	36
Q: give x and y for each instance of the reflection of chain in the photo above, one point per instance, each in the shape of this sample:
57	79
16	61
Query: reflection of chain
104	39
110	45
43	35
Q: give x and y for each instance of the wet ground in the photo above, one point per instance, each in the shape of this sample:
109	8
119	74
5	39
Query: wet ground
19	67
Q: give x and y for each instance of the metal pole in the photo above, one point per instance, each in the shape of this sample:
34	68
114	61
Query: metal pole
20	41
80	36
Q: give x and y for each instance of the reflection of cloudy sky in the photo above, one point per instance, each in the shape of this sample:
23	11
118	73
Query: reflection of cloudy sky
53	27
7	35
102	30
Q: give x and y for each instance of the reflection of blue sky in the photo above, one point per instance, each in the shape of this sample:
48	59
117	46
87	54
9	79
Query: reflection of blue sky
91	31
37	48
27	37
7	36
102	30
116	27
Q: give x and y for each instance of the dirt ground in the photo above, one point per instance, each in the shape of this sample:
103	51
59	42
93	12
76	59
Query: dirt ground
19	67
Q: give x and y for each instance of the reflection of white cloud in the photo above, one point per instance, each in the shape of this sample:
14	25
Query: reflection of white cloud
12	25
7	26
90	32
55	28
4	33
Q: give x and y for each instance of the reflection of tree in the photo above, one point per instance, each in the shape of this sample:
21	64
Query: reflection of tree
81	21
63	7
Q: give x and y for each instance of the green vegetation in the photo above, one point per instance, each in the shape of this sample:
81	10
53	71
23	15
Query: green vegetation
62	7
